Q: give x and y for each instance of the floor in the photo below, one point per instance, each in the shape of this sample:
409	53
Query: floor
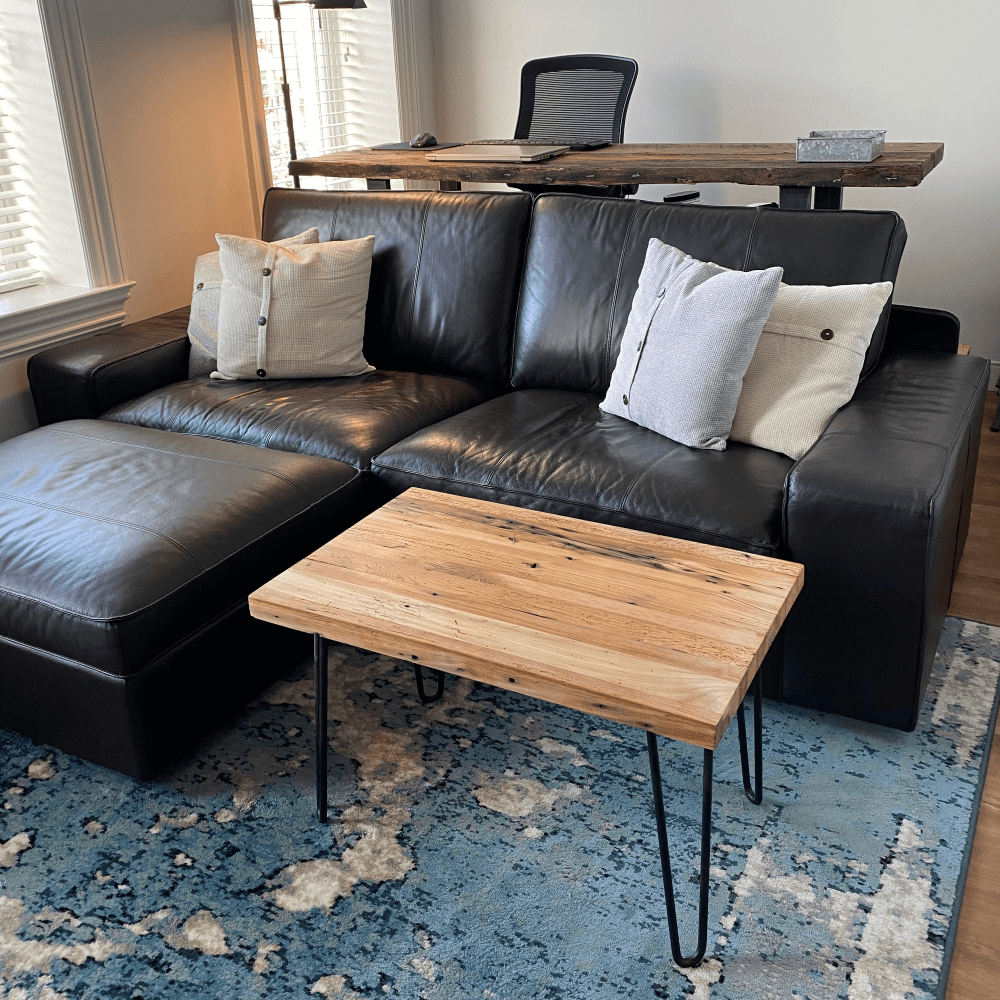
976	595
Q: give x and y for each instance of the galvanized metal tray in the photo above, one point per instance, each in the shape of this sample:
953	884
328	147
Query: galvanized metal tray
843	145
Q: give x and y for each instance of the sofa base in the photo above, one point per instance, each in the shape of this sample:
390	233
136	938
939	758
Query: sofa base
142	723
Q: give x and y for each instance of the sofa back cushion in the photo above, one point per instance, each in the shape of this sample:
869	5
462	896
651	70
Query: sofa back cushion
445	271
584	256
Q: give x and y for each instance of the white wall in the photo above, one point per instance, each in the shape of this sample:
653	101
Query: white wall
167	94
769	71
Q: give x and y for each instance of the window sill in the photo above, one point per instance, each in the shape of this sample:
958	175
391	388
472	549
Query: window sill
42	316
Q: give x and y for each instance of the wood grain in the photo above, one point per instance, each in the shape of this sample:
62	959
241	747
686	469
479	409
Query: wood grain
903	164
976	596
655	632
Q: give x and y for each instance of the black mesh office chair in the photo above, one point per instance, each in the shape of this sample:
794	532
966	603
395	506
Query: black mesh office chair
574	99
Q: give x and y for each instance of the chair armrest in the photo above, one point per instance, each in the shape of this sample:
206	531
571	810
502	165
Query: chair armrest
918	329
87	377
878	511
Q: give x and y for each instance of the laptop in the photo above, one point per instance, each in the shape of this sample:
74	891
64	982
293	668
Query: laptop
489	153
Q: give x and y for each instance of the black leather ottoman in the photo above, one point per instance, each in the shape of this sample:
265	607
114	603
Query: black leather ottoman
126	555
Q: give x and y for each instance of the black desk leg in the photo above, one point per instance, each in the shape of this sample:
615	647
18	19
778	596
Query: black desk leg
377	183
829	197
321	648
795	197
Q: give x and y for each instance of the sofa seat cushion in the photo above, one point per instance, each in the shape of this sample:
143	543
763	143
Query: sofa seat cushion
346	419
556	450
118	542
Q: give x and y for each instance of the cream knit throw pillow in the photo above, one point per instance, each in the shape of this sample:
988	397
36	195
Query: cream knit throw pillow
807	364
292	312
203	326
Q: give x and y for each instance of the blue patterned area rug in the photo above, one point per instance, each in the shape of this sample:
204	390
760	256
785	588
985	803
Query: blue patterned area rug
492	846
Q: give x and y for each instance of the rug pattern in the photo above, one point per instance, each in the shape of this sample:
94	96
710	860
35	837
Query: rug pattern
492	846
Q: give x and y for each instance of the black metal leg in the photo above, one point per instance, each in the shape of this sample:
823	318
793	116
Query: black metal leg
795	197
756	794
995	426
829	197
421	693
320	651
684	961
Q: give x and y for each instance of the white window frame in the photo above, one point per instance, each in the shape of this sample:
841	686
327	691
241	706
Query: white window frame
45	315
414	87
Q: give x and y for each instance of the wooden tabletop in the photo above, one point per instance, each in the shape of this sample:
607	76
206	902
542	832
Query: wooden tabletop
655	632
903	164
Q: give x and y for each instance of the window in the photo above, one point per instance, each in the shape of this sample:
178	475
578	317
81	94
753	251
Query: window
342	82
17	255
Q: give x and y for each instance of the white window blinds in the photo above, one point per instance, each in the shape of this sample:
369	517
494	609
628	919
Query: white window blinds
16	252
342	79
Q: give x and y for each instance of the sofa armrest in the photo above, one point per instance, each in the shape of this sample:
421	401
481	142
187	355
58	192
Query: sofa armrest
878	512
87	377
918	329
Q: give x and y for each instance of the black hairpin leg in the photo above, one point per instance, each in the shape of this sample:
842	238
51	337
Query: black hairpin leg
685	961
425	698
320	651
757	793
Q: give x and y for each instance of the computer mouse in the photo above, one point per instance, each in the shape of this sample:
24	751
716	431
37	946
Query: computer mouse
422	140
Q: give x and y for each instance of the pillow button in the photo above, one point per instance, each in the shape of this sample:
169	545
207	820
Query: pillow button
639	346
261	373
827	334
659	294
625	400
199	286
262	320
266	271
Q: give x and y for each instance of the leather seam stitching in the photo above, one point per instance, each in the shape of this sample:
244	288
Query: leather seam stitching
549	423
636	478
106	520
606	373
753	233
125	357
180	586
416	266
199	458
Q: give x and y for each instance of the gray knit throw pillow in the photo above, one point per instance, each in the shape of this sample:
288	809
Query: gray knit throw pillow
688	343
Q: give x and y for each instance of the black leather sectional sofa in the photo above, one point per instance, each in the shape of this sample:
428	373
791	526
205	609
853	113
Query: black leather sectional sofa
494	322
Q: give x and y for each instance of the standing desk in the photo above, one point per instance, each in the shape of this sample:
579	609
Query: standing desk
903	164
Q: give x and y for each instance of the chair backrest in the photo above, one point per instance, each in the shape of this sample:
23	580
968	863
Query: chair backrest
577	98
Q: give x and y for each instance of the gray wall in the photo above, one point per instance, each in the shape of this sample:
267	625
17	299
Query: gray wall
769	71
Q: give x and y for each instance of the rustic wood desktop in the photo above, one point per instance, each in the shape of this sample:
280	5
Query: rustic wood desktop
903	164
658	633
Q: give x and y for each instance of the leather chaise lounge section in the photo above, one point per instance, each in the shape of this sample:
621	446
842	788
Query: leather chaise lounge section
127	556
494	323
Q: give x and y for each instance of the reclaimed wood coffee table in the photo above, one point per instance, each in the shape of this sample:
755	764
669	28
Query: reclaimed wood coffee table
658	633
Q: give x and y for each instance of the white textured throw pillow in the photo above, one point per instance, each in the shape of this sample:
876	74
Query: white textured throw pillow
203	326
807	364
293	312
687	344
